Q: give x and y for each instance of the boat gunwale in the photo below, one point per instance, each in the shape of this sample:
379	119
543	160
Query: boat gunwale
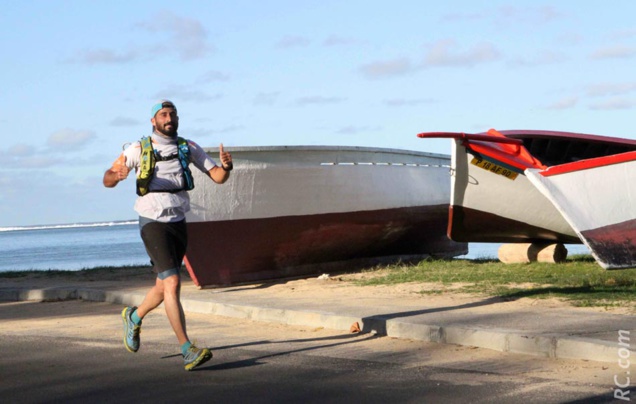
534	133
588	164
307	148
550	134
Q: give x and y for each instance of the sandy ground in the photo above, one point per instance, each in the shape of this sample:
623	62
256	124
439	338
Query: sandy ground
429	294
321	288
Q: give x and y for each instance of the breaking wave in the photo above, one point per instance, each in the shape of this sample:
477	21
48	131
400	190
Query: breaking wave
69	225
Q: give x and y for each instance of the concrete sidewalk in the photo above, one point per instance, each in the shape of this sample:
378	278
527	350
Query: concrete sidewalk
568	333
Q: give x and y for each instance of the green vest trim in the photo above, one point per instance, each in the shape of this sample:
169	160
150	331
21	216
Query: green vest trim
149	160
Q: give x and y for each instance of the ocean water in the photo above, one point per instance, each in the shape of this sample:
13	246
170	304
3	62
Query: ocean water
74	247
71	246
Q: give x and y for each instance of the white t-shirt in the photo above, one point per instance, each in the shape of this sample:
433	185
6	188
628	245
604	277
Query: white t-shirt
166	206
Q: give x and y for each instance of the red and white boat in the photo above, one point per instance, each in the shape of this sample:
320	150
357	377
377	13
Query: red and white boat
598	199
492	200
294	211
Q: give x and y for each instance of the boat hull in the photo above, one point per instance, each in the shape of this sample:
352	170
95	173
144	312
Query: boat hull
298	211
491	198
295	246
499	206
597	197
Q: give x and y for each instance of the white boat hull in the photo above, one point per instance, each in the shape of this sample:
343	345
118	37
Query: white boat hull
500	206
294	211
598	199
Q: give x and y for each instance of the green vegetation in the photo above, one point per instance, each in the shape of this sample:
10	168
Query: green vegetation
580	279
104	273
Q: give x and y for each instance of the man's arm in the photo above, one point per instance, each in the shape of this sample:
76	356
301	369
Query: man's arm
220	174
118	172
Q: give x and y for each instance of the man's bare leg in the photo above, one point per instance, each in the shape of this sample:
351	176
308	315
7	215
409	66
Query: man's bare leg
153	298
174	310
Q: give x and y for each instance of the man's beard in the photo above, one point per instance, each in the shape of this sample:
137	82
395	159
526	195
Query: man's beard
170	132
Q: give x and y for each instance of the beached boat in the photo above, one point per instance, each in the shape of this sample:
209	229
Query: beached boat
598	199
492	200
294	211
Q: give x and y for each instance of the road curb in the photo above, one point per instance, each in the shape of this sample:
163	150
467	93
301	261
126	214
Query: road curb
503	340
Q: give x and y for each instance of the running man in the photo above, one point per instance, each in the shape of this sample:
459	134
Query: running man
161	162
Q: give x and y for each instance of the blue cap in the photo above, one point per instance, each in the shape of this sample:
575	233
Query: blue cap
161	104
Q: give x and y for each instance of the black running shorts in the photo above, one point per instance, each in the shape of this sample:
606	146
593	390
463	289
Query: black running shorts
165	243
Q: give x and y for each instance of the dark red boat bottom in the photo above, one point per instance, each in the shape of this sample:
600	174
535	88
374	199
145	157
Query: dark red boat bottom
615	245
249	250
475	226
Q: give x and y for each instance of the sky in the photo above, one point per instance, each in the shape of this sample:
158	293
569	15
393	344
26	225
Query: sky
80	78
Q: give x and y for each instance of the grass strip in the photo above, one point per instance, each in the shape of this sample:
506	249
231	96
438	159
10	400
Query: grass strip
580	279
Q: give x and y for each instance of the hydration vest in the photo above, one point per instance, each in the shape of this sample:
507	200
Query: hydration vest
149	160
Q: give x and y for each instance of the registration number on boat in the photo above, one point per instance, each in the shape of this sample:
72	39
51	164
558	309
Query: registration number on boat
494	168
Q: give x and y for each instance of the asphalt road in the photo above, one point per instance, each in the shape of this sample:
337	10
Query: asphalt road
71	352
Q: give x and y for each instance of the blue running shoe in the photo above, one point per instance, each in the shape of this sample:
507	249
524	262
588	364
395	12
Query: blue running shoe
131	330
196	356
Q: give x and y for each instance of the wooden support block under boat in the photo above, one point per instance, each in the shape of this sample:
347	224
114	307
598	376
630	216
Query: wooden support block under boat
532	252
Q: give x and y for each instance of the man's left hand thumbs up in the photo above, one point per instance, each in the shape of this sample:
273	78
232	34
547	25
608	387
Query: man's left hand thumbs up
226	159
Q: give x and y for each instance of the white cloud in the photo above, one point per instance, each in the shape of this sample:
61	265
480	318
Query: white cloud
59	146
123	121
545	57
105	56
188	36
529	15
213	76
388	68
564	103
335	40
183	93
266	98
290	41
613	104
605	89
318	99
20	150
614	52
443	53
70	139
57	193
37	161
569	38
402	102
446	53
624	34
